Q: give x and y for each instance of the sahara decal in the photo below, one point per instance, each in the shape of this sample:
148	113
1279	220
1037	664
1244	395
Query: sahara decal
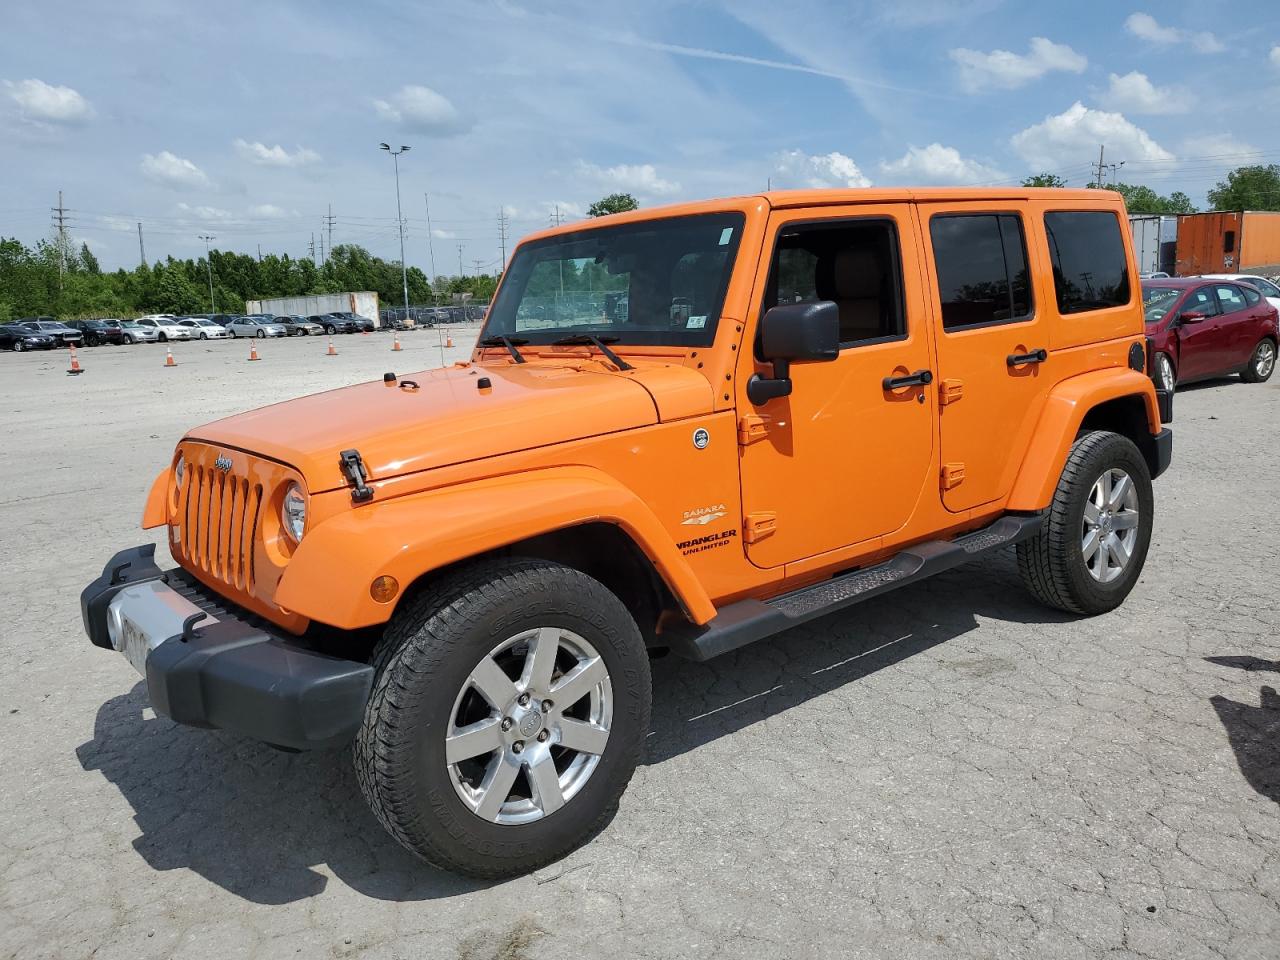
703	515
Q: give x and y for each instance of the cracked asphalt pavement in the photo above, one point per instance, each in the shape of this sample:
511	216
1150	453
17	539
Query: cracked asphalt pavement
947	771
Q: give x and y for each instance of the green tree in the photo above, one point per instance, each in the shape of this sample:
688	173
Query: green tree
1044	180
613	203
88	262
1142	199
1248	188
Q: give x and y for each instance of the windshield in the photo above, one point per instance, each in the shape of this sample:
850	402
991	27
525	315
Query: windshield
653	282
1157	301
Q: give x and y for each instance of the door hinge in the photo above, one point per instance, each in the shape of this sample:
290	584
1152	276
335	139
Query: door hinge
950	391
759	525
952	475
752	428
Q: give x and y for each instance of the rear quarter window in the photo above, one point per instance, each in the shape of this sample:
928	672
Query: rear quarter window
1090	269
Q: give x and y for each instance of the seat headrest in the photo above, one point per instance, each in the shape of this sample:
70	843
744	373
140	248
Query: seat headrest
857	273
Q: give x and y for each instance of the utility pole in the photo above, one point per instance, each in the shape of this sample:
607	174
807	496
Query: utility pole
259	253
60	225
477	265
311	248
461	270
329	223
322	259
431	247
142	251
404	269
503	221
1099	170
208	262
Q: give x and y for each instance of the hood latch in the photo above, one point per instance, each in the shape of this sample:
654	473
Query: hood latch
354	468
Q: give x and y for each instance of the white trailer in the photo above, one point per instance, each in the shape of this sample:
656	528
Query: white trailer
1154	239
363	303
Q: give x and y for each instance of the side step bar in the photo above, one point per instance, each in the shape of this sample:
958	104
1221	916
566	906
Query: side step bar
747	621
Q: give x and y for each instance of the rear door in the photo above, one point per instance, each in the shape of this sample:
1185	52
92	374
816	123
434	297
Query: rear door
1236	323
1200	342
992	340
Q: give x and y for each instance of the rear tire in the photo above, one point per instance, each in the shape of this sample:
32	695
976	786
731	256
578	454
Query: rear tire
447	663
1091	548
18	346
1166	377
1262	364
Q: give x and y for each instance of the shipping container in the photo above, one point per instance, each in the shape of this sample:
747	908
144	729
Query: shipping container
363	303
1154	240
1228	242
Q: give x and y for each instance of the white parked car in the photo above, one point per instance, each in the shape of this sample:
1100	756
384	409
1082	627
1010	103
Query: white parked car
166	326
1264	286
205	329
257	327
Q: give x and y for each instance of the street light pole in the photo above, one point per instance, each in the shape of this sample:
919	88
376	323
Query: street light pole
208	262
404	272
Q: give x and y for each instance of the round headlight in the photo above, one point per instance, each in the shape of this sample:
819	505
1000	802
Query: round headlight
179	469
293	512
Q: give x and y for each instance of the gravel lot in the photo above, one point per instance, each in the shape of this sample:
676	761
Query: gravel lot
948	771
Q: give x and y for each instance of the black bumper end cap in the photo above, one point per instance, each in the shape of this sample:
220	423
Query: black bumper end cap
1164	451
232	676
134	565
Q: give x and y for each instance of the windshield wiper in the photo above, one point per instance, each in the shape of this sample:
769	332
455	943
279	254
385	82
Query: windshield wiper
498	340
582	339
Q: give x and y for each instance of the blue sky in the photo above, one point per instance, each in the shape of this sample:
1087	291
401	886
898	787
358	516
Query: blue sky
247	119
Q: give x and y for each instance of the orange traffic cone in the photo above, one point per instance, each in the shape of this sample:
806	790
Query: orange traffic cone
449	342
253	352
168	357
75	361
331	352
396	344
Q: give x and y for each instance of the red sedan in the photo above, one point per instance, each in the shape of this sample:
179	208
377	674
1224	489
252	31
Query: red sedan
1208	328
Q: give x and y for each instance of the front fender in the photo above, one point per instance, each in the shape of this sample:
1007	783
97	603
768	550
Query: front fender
1064	410
329	575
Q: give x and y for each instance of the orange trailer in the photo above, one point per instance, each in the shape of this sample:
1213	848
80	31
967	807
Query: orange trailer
1245	241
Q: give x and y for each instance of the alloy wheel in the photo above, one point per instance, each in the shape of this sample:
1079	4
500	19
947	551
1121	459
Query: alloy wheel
529	726
1168	380
1264	359
1110	525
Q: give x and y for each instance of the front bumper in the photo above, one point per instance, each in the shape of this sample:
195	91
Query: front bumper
206	666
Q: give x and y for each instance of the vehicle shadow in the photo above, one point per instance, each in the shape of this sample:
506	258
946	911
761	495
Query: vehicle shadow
1253	732
257	822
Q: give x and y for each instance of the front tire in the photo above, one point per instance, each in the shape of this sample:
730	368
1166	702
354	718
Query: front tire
509	712
1262	364
1166	377
18	346
1089	553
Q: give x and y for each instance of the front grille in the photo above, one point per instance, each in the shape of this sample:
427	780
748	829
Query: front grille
217	520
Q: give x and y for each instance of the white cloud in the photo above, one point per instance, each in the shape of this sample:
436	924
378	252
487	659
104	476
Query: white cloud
1136	93
420	110
204	213
439	234
269	211
42	103
795	168
1075	134
1146	27
276	156
938	164
173	171
1003	69
1274	56
640	178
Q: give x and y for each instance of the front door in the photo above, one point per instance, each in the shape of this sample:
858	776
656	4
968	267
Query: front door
1200	340
844	458
992	341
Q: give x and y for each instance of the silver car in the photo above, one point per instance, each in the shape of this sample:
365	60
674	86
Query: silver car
166	326
257	326
135	332
202	328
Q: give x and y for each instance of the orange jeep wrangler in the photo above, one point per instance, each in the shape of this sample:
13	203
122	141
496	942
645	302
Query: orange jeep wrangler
690	428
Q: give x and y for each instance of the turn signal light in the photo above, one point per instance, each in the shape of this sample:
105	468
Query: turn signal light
384	589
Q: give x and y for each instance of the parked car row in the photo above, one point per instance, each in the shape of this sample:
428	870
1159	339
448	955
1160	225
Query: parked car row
1211	326
45	333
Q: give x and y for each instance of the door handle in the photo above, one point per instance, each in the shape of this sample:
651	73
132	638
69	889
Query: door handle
1035	356
921	378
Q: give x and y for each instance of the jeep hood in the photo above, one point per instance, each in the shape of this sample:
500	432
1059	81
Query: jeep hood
448	418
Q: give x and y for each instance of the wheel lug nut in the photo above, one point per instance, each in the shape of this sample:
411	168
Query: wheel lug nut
506	724
523	700
546	706
543	736
517	747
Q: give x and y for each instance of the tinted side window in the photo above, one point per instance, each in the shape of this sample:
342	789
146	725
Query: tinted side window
854	263
1251	295
1090	271
981	263
1202	301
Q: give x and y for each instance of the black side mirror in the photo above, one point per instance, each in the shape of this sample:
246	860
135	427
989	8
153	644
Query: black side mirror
794	333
